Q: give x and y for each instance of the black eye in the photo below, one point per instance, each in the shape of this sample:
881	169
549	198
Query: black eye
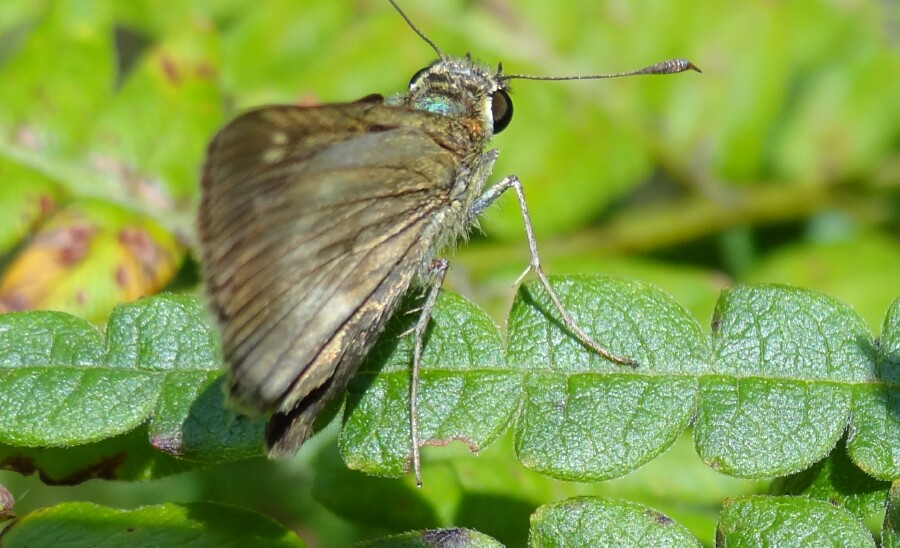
501	110
417	75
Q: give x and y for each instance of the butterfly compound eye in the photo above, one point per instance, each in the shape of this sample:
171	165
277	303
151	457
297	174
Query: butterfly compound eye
418	75
501	110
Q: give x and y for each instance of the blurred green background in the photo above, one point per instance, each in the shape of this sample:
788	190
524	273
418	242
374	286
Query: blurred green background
780	163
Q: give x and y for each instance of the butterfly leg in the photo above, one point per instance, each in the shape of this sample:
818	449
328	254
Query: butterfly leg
484	201
437	271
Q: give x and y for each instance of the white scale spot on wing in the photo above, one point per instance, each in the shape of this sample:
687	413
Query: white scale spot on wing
277	151
279	138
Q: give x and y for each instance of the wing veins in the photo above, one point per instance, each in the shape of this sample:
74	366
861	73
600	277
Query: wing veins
255	337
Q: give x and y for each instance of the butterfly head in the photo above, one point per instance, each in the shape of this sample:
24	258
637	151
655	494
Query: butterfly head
462	88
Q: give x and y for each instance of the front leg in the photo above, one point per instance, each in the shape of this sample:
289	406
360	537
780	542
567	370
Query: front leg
489	197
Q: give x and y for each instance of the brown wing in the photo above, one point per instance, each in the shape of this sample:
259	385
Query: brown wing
313	221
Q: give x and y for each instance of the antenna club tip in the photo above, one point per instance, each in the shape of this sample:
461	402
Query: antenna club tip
673	66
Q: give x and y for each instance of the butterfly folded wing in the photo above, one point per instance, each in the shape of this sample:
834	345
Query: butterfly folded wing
313	223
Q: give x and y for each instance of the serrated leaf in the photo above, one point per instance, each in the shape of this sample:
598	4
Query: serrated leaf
581	417
836	480
588	521
190	525
61	386
875	423
788	521
890	343
585	418
786	361
890	532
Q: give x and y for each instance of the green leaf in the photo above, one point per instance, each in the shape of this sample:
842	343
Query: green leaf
774	393
585	418
61	386
288	36
67	63
856	134
890	533
461	538
788	521
52	392
126	457
172	92
590	521
191	525
14	15
890	342
465	392
876	408
786	361
171	338
27	196
838	481
89	257
494	494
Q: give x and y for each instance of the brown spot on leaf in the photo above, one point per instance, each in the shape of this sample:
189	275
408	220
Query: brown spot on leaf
122	276
145	188
170	69
14	302
136	240
47	204
74	243
142	247
716	322
28	138
70	243
167	444
205	71
445	537
444	442
659	518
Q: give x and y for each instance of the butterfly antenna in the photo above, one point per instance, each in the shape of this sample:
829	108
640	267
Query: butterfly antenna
417	31
671	66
